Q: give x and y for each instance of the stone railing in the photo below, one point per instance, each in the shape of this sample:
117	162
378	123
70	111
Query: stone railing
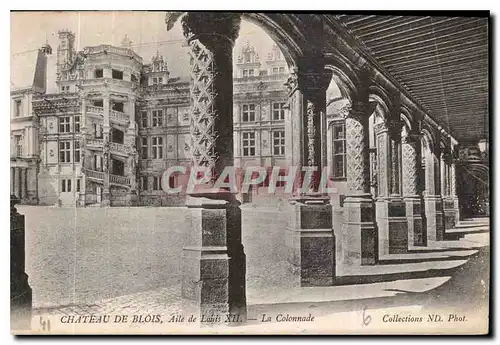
91	109
118	116
98	175
95	142
121	180
120	148
263	78
112	49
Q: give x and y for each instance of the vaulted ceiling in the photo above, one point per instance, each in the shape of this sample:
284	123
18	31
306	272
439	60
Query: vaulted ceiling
441	61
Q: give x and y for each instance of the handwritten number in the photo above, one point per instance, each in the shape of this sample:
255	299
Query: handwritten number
366	318
44	325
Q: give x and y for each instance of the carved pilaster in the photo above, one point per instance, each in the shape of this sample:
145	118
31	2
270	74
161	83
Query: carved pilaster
211	38
358	234
411	147
357	150
395	134
213	258
411	164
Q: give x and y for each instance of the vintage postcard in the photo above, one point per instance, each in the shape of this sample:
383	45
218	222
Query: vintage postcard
249	173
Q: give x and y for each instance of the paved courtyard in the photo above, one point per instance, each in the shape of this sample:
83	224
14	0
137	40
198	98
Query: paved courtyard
86	255
99	261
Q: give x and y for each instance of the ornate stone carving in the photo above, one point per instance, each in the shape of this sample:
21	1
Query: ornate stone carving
158	64
394	167
211	38
380	127
311	133
203	93
213	29
382	171
453	190
292	82
345	110
410	167
357	153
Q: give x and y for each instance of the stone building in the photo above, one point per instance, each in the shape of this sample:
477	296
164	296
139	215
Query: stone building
117	124
88	130
366	98
28	78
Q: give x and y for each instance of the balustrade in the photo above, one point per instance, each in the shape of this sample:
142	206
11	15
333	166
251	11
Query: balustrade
122	180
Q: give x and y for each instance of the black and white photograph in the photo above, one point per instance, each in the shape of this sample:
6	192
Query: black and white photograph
250	173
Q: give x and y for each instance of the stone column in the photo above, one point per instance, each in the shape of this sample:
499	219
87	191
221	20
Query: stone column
442	174
106	194
412	158
359	237
17	178
83	120
24	186
390	209
213	259
432	198
20	291
448	201
310	239
21	184
12	181
453	187
133	158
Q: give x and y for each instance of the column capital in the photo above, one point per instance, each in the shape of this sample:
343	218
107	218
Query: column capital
213	29
412	138
292	83
395	126
312	80
357	109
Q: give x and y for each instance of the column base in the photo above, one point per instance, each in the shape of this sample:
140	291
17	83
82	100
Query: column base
449	213
359	231
106	198
434	217
392	226
214	268
416	228
456	207
131	198
81	200
310	241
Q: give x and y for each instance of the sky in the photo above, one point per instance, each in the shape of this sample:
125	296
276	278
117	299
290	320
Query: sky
146	30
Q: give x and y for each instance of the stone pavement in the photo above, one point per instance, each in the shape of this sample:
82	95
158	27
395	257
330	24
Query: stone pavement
391	283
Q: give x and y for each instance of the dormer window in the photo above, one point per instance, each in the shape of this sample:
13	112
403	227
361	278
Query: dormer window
116	74
99	73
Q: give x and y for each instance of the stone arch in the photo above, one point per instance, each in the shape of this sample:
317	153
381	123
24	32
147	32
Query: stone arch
282	28
284	32
430	159
407	118
343	75
381	110
428	135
